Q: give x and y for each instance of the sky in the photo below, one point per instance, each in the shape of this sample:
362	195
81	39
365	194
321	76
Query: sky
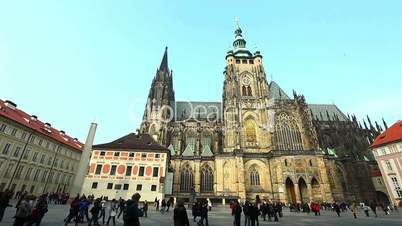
74	62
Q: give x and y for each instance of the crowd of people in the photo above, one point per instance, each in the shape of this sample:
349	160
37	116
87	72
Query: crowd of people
30	210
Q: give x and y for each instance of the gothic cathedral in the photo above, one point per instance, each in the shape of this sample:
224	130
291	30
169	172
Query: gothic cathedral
257	141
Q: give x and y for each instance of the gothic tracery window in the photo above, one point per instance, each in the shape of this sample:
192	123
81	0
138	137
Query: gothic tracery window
287	134
250	131
207	179
254	177
186	179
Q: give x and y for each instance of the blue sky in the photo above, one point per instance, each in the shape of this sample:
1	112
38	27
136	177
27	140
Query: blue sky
71	62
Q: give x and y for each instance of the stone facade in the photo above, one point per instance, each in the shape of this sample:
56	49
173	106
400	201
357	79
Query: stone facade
34	156
258	141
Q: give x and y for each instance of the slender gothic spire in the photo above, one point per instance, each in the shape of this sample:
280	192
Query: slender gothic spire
385	124
164	63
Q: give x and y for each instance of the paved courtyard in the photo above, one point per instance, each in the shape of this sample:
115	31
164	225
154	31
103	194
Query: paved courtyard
221	217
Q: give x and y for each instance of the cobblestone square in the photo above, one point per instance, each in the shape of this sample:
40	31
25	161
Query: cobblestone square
220	216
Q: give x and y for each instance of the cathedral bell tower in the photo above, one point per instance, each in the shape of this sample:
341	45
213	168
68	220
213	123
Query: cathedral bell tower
159	108
245	97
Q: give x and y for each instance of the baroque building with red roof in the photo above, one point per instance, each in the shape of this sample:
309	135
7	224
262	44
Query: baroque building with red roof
34	156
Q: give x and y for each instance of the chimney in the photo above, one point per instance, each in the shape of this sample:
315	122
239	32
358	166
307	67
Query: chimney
10	104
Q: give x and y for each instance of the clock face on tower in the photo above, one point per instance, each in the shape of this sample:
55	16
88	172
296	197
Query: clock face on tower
246	81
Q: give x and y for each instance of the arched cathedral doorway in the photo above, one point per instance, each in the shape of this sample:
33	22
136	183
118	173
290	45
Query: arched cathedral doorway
290	191
304	197
316	191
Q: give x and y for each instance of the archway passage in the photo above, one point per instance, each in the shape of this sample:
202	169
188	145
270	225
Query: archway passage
304	197
316	191
290	191
382	198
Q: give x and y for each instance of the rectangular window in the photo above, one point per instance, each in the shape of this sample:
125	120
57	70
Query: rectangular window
388	164
397	187
102	153
37	172
40	142
126	186
141	173
250	61
32	139
23	135
42	158
26	154
6	149
237	61
13	132
139	187
94	185
153	187
113	170
117	154
17	152
19	171
155	172
131	155
143	155
117	187
9	170
3	127
109	185
44	175
244	61
47	145
98	169
28	175
157	156
128	170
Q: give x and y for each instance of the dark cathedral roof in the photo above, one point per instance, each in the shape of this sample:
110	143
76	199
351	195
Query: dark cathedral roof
320	111
131	141
198	110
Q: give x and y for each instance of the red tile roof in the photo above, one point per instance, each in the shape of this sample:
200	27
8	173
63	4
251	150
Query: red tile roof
26	120
392	134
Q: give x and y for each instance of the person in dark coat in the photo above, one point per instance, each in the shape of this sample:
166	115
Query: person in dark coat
4	202
254	213
180	217
373	207
337	209
246	211
236	213
204	213
95	210
132	212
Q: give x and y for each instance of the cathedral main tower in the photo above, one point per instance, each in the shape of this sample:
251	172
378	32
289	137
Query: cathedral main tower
245	95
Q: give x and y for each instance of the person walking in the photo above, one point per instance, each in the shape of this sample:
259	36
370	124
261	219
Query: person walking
163	206
132	213
204	213
103	210
121	207
4	202
95	210
73	212
354	210
246	212
254	212
84	206
41	209
236	213
112	212
145	208
366	209
23	212
373	207
337	209
180	217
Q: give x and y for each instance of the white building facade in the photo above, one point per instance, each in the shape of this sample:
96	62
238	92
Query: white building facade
387	149
131	164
